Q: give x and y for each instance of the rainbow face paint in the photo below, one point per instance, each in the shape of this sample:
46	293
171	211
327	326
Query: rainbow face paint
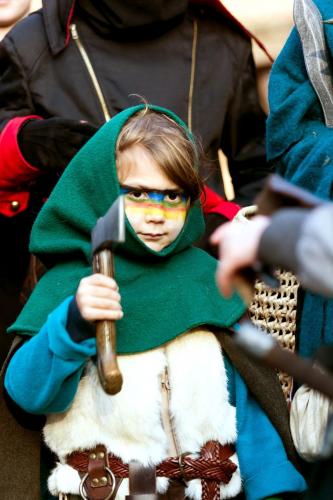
157	216
155	206
171	204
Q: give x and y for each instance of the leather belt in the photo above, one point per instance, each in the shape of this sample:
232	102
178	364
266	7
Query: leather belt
100	472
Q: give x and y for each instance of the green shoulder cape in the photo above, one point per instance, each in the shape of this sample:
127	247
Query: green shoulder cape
164	294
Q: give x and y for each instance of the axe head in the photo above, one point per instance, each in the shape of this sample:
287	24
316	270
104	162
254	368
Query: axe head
279	193
109	229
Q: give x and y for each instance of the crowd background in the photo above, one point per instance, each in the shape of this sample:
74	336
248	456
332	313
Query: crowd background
271	22
12	12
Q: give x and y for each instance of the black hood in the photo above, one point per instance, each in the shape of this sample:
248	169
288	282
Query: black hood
57	15
131	18
119	18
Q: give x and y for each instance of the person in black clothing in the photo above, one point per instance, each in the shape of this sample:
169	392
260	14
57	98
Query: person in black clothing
69	67
10	13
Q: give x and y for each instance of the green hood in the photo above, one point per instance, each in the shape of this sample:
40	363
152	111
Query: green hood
164	294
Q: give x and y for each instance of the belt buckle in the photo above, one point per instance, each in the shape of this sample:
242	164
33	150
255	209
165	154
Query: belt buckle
85	477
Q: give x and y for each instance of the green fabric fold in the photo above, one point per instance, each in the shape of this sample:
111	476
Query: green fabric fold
164	294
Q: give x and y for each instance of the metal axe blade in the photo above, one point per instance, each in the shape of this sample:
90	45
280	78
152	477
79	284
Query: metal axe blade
109	229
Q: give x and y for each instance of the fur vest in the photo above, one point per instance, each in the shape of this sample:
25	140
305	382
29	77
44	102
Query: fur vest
130	423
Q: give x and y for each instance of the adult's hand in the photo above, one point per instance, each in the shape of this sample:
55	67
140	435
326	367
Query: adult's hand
238	249
50	144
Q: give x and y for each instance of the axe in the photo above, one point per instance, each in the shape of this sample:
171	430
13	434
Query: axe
267	350
107	233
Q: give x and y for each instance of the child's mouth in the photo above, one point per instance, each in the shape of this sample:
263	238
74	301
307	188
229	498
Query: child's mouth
152	236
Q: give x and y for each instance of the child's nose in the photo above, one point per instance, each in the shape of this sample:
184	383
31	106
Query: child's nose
156	213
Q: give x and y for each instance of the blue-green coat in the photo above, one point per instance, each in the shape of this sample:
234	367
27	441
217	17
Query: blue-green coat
301	145
53	357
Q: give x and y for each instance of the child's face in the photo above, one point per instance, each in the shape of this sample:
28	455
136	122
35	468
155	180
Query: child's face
155	206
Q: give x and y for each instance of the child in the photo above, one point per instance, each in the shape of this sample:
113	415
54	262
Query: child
180	397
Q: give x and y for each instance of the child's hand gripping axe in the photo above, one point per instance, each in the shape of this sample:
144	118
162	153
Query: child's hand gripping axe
108	232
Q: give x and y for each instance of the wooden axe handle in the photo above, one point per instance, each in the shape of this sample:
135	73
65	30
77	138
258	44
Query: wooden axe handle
108	370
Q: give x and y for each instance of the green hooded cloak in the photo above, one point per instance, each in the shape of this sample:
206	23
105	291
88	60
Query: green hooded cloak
164	294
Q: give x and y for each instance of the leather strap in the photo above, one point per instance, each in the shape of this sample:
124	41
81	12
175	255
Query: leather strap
142	482
98	483
212	467
212	451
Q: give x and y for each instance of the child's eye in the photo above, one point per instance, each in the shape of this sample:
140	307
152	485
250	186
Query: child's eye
174	198
137	195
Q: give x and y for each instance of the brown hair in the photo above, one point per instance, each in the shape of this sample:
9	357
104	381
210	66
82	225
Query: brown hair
168	144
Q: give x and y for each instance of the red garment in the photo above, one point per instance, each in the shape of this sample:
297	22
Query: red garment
214	203
14	170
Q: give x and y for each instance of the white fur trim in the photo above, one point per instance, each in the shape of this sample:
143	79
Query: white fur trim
230	490
201	410
235	485
123	490
130	425
117	421
194	489
64	478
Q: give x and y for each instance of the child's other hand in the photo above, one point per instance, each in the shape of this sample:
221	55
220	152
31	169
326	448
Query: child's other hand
97	298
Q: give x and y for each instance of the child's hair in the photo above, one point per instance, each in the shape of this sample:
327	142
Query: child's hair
168	144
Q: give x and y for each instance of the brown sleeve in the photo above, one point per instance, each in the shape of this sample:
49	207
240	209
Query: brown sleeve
264	385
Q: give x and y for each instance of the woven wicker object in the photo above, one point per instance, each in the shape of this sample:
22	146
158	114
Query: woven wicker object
274	310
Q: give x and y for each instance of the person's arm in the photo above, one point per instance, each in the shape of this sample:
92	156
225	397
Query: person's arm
298	141
298	240
237	250
30	145
243	139
43	375
16	108
301	241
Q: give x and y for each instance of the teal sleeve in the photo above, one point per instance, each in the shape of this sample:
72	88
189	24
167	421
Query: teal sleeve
297	139
43	375
301	147
264	466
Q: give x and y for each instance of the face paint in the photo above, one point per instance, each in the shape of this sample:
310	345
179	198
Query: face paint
155	206
172	203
